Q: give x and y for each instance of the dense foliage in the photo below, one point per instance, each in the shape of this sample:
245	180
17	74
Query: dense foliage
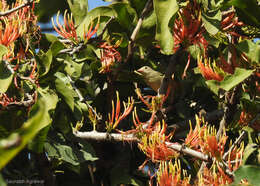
78	107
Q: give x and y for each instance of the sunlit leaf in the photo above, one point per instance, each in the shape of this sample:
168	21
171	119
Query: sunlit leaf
248	172
251	49
79	9
92	15
165	10
58	148
6	77
230	81
12	145
211	21
63	86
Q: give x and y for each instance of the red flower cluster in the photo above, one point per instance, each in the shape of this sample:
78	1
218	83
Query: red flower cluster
109	55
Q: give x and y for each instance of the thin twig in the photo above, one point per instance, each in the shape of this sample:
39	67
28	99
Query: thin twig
103	136
16	8
72	50
242	135
82	99
147	7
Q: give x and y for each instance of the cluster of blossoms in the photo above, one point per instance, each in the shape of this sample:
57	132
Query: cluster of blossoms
18	26
188	30
109	54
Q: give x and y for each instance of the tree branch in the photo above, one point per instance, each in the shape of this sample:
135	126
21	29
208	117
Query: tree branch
102	136
146	9
27	3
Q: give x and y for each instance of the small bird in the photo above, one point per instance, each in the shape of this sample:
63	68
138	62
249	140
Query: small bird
151	77
154	80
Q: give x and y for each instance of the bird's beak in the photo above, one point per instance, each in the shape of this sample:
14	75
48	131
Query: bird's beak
138	72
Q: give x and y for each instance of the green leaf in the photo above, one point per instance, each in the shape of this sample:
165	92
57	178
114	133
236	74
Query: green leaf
92	15
51	99
212	21
149	21
58	148
251	49
125	14
56	47
6	77
3	50
12	145
250	173
231	81
213	86
165	10
45	60
79	9
36	145
63	86
72	68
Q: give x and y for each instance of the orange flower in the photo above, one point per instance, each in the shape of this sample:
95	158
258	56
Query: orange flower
213	176
193	138
68	30
9	33
209	143
116	117
109	55
188	29
207	71
171	174
91	31
154	146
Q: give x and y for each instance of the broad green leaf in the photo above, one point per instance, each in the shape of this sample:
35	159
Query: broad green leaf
150	21
72	68
213	86
165	10
231	81
51	100
79	9
12	145
45	61
58	148
211	21
3	51
250	173
125	14
56	47
6	77
251	49
248	11
63	86
92	15
37	144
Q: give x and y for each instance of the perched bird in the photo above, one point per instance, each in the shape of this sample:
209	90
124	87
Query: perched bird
151	77
154	80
